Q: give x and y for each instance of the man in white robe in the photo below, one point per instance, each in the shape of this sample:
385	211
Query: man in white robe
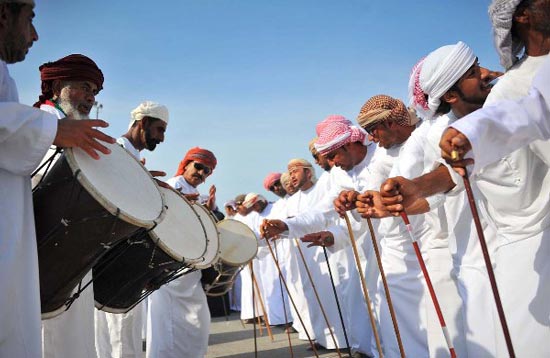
517	187
275	301
178	322
25	135
69	86
351	158
119	335
504	126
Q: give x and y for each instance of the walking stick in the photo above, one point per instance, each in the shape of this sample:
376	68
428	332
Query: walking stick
317	297
291	299
488	264
254	314
268	327
429	284
254	303
364	286
287	327
386	288
337	301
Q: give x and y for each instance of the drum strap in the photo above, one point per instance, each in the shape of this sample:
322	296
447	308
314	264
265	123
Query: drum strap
48	163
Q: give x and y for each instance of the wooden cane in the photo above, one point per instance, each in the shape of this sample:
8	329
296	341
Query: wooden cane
429	284
254	302
292	300
337	301
488	264
254	315
287	327
317	297
364	286
386	288
268	327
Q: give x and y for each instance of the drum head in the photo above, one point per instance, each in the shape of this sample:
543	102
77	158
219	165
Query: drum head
181	234
119	182
213	239
238	243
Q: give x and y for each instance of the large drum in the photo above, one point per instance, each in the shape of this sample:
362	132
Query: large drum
213	247
83	207
238	245
148	259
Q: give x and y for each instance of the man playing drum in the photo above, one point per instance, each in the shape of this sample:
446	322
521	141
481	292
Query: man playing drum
26	134
178	315
119	334
69	86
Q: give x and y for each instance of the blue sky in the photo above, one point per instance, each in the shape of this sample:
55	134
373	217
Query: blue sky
248	79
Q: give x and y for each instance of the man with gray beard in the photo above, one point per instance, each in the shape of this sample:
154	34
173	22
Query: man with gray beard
69	86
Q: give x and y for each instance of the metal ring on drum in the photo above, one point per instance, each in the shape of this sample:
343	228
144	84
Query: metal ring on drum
149	259
238	246
82	208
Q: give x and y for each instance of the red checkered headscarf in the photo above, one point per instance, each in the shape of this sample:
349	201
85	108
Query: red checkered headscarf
200	155
270	179
337	134
331	119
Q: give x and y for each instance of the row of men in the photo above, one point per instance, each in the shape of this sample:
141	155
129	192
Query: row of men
68	89
407	172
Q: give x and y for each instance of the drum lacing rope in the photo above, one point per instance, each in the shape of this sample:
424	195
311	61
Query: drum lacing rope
48	162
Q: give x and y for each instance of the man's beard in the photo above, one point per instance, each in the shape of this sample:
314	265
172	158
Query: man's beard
71	108
150	142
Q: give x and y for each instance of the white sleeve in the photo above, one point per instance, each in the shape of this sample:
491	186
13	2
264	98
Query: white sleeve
26	133
509	125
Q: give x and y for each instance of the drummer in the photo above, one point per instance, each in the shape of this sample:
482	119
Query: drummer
119	334
178	322
69	86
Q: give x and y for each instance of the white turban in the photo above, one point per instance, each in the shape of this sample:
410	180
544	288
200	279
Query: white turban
439	71
28	2
149	109
501	13
253	198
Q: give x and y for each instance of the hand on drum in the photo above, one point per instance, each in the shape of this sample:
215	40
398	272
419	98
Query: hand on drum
82	134
270	229
191	197
345	201
159	173
323	238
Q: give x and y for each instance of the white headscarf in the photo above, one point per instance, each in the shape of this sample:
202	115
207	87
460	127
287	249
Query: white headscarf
501	13
149	109
439	71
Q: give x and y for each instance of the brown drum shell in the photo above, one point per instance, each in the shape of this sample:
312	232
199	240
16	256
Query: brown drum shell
135	265
73	231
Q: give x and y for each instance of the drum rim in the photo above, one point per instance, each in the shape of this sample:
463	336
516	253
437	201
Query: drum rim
202	264
222	222
105	202
158	241
52	314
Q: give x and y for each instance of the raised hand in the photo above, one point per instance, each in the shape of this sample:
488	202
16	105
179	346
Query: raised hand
270	229
454	146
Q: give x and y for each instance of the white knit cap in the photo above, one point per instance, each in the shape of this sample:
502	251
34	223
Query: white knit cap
149	109
440	70
501	13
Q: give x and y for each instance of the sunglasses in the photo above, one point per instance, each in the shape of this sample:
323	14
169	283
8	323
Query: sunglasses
202	167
